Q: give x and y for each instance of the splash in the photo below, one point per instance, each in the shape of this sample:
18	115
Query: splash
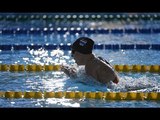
136	82
45	57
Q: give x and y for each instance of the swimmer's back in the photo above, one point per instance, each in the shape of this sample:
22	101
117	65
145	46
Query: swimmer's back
102	71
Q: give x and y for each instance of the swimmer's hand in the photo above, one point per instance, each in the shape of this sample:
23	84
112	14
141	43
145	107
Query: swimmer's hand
71	72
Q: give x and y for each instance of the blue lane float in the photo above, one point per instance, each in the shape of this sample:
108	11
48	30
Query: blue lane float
124	46
143	46
35	47
156	30
19	47
155	47
5	47
130	31
68	47
50	47
115	31
145	30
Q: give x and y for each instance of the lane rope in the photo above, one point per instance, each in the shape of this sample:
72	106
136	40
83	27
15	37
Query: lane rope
79	30
61	46
38	68
81	95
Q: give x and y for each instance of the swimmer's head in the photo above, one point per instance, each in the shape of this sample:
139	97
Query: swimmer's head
83	45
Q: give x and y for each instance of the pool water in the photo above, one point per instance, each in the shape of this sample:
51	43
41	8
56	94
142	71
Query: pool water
58	81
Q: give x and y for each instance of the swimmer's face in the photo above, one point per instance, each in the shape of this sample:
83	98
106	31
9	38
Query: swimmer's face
76	56
72	52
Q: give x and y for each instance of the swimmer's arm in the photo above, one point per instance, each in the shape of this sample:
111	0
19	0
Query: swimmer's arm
116	80
71	72
101	75
98	75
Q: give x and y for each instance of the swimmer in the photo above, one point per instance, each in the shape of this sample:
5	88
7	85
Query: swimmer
96	67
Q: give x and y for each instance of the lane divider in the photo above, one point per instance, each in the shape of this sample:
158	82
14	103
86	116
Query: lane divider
75	17
38	68
79	30
68	47
31	67
81	95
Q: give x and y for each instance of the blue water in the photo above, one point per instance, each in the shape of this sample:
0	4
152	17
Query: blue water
58	81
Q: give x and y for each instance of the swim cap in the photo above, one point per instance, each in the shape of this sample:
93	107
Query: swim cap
83	45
